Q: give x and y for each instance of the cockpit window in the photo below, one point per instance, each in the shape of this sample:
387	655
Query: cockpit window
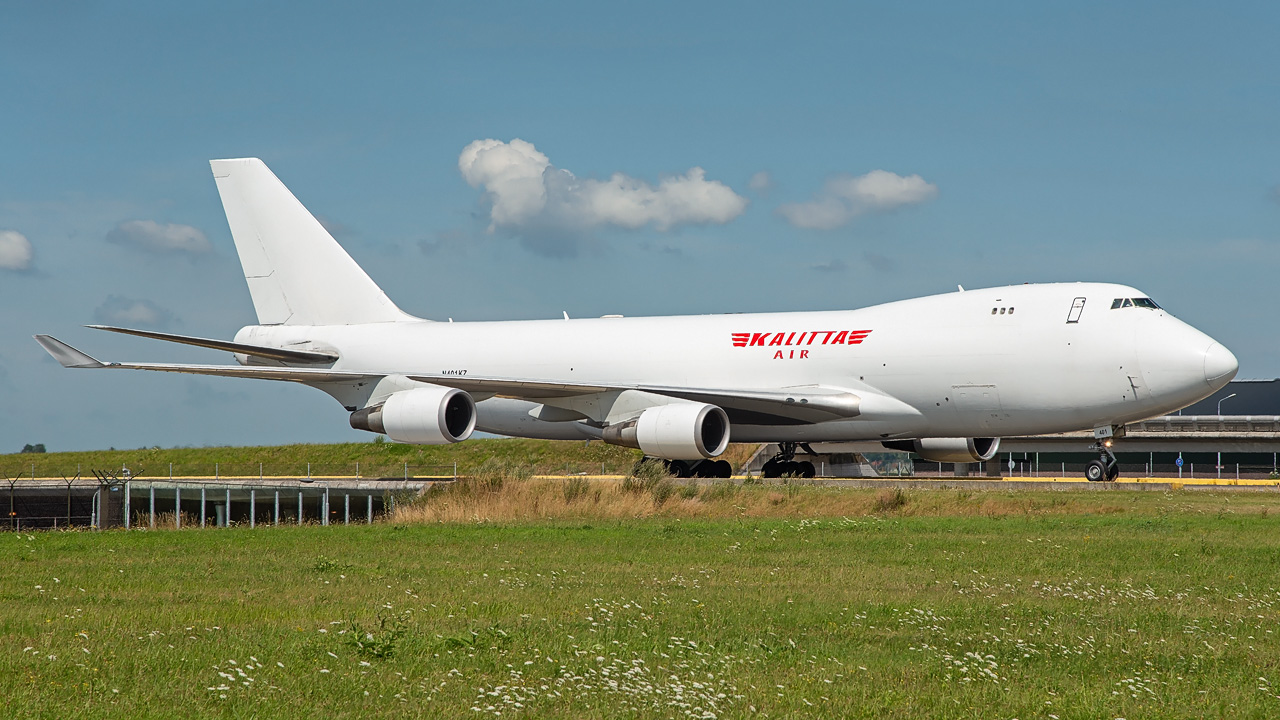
1134	302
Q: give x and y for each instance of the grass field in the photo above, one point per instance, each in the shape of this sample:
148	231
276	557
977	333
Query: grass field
373	459
764	601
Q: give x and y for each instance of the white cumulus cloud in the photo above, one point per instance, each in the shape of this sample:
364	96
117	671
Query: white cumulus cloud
15	251
845	197
119	310
527	192
154	237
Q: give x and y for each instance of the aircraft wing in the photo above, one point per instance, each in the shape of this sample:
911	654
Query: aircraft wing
73	358
797	405
297	356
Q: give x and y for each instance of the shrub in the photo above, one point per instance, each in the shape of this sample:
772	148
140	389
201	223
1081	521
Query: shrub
689	491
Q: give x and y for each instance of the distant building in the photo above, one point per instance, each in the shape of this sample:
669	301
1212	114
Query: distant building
1252	397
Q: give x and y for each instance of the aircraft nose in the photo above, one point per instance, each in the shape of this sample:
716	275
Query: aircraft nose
1220	365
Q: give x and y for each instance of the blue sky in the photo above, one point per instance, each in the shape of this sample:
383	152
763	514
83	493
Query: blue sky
1015	142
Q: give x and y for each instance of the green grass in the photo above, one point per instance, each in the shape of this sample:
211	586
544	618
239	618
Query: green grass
1084	605
375	458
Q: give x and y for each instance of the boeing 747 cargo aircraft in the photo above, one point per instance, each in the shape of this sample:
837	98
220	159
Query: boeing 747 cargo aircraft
944	376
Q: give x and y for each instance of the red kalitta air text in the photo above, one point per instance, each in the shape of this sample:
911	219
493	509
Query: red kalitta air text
805	338
802	340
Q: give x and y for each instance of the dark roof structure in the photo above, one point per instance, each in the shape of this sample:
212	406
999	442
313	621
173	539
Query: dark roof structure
1252	397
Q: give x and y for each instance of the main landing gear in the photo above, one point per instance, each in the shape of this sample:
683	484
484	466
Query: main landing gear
695	468
784	464
1106	468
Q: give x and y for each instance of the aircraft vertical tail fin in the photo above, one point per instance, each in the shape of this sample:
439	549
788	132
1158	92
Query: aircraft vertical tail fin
297	273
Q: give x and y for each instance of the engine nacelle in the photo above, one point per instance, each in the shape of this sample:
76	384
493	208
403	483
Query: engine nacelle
423	416
679	431
952	450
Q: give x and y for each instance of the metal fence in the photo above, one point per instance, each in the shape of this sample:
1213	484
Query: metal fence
78	503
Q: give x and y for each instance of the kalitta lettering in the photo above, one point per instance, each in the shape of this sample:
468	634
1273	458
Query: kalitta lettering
802	339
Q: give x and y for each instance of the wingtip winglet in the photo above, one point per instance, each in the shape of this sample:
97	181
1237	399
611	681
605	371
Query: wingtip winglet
66	355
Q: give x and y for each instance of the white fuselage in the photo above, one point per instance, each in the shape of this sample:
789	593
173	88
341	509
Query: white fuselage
987	363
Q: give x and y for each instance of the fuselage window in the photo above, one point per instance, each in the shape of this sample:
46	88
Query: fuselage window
1001	311
1010	311
993	311
1134	302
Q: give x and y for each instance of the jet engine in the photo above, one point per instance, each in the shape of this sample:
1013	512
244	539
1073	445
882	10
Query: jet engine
953	450
679	431
429	415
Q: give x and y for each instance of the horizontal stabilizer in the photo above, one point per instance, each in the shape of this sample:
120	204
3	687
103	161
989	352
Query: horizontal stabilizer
65	354
294	356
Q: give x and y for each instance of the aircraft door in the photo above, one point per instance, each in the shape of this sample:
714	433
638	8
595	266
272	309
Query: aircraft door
1077	307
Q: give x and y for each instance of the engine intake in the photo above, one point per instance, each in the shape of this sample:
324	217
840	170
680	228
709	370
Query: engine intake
954	450
423	416
679	431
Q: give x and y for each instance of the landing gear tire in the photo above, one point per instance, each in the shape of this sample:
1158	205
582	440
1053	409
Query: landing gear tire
713	469
1106	468
783	464
678	468
1095	471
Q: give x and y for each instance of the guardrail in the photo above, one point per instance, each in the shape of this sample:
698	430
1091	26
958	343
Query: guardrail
1199	424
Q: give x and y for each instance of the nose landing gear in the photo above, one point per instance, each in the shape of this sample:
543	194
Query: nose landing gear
1106	468
784	462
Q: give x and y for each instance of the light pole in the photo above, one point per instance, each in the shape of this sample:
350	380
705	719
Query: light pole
1223	400
1220	420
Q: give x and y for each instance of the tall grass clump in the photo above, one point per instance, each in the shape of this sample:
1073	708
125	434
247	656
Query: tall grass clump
662	491
575	488
890	499
652	477
645	475
719	491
